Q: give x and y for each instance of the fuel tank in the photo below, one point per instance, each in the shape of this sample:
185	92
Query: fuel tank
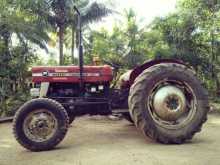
91	74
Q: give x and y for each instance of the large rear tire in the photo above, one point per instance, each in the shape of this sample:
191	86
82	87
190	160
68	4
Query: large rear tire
168	103
40	124
127	117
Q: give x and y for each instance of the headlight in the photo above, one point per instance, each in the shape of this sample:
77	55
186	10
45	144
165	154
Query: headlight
35	92
93	89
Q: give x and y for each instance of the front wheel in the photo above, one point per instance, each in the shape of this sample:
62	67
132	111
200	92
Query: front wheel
40	124
71	118
168	103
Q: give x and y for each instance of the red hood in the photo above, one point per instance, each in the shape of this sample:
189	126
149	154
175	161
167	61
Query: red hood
71	74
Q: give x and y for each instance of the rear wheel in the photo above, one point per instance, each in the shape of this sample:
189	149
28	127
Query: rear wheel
40	124
168	103
127	116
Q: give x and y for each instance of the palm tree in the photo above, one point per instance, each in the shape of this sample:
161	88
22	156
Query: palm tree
15	59
59	14
27	27
90	13
24	24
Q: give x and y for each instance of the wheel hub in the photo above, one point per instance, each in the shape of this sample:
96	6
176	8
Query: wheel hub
40	125
169	103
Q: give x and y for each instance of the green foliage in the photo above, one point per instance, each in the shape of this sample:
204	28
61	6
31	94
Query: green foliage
125	45
192	34
12	103
16	57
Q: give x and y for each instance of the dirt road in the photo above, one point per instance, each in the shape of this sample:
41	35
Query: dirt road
92	141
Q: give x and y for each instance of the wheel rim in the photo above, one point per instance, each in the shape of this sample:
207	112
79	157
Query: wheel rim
40	125
172	104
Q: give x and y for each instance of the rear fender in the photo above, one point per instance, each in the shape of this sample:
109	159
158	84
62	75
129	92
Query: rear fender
139	69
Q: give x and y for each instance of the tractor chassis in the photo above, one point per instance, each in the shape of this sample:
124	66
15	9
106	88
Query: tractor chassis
116	103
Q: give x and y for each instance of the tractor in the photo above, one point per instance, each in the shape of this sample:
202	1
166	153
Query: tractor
163	98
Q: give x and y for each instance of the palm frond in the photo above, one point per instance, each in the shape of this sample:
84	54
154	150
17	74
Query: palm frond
31	31
95	12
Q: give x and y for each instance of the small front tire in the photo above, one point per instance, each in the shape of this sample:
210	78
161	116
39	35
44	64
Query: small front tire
71	118
40	124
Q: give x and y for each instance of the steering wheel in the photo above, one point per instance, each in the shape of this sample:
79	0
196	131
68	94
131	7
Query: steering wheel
115	66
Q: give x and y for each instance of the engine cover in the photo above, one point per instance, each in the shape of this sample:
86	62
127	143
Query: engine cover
71	74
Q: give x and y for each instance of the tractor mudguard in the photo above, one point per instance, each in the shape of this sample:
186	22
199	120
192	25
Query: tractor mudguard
139	69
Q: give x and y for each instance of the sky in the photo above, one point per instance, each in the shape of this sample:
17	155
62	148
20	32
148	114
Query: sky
146	11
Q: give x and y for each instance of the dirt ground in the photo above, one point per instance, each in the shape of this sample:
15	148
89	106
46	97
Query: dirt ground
100	141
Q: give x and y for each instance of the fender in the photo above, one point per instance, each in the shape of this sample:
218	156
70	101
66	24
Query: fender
139	69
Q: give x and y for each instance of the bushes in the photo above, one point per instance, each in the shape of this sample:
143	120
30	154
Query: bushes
10	104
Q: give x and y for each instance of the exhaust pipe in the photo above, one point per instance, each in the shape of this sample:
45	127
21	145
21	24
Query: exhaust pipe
80	48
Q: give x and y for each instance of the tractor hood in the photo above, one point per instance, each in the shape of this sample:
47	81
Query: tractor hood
71	74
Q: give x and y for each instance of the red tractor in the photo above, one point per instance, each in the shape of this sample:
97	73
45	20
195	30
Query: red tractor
163	98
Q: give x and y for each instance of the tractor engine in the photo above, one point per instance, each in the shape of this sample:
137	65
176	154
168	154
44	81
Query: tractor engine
73	90
65	81
62	83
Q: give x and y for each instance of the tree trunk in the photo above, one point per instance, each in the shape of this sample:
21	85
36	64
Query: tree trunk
61	36
212	51
217	85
